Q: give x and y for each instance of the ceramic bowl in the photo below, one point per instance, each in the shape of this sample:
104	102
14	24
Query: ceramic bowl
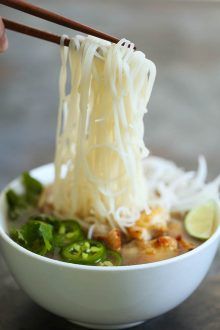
104	297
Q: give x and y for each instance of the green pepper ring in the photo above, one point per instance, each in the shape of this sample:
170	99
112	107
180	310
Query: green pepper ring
38	247
67	232
86	252
114	257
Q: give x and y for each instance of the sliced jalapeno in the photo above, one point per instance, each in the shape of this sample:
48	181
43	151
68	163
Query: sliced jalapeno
114	257
67	232
87	252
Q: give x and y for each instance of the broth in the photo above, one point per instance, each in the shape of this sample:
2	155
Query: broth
165	244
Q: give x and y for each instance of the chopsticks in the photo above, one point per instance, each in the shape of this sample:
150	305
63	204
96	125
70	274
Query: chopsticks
48	16
25	29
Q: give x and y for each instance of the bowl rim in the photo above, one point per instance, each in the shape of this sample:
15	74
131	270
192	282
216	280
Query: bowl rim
13	244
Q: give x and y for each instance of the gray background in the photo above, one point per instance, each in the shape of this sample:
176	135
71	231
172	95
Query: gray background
182	38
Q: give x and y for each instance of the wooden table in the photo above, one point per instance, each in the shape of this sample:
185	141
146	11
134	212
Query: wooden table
183	121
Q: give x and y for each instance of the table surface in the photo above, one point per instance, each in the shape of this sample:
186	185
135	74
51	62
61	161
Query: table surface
183	40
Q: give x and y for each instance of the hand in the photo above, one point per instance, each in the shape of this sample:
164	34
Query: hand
3	37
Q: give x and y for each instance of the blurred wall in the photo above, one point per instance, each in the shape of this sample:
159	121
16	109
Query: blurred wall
181	37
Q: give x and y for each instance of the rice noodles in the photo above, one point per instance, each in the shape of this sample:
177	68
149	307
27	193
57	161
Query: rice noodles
176	190
102	175
99	147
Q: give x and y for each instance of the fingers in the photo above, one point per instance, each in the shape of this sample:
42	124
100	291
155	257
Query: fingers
3	37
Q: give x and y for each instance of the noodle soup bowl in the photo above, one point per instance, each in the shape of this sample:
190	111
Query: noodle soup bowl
104	297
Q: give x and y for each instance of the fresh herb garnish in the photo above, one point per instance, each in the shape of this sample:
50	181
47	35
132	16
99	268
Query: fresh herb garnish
48	218
33	188
16	204
35	236
43	233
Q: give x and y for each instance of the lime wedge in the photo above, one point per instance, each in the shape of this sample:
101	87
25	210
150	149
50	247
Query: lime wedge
200	221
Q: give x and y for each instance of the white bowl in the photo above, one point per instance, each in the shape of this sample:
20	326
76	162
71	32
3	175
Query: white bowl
104	297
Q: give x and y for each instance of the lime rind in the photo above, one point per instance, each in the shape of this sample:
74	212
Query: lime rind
201	221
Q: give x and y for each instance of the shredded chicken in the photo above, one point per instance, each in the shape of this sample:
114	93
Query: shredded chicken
165	243
139	252
114	239
185	245
150	225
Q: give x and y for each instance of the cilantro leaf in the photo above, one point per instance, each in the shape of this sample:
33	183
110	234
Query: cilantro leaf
17	236
33	188
48	218
46	231
19	204
35	236
16	204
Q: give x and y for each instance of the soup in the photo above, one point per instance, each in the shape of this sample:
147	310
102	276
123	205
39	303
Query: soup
110	203
37	227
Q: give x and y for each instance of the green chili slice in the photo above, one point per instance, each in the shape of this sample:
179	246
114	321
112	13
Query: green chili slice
114	257
67	232
87	252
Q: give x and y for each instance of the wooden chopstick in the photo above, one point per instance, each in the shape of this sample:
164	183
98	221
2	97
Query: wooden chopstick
55	18
25	29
